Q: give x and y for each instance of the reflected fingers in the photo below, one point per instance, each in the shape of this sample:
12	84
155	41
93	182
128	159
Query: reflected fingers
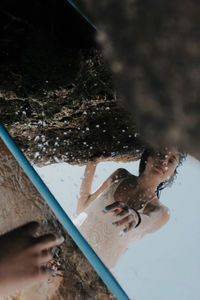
130	226
125	221
115	206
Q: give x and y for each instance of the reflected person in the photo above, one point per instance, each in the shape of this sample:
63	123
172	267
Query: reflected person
125	207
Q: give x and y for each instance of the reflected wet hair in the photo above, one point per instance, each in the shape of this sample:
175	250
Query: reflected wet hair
164	184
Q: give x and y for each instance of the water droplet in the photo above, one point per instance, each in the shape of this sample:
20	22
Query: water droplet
40	146
43	138
56	159
37	154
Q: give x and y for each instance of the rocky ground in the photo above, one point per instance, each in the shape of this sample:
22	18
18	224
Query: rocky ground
21	203
72	121
56	94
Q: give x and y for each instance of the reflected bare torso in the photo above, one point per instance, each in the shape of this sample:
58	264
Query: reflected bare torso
107	240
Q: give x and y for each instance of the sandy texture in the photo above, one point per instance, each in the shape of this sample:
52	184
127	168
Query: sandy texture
21	203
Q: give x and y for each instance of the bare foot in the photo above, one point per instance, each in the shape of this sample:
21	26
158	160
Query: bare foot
23	257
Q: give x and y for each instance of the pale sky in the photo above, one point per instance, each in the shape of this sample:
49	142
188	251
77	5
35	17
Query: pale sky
163	265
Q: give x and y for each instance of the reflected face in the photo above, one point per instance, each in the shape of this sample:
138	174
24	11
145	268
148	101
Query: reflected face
163	164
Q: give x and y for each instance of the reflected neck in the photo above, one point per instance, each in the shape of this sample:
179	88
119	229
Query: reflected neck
147	185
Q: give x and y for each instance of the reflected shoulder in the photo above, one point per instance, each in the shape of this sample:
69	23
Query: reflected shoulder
165	213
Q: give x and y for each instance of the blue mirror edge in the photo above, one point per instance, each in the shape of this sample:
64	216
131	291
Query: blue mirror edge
81	13
89	253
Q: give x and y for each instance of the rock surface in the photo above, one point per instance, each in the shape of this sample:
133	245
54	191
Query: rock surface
69	121
56	94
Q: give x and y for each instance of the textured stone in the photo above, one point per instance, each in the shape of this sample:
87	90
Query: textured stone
56	93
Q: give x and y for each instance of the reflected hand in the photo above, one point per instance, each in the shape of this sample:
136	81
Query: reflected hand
126	216
23	257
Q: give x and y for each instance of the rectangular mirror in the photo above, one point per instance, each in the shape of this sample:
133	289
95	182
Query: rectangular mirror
59	105
166	258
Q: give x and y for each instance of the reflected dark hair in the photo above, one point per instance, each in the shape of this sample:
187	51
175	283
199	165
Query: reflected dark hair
164	184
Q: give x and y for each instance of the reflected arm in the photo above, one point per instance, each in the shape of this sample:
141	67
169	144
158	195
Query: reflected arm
85	191
154	220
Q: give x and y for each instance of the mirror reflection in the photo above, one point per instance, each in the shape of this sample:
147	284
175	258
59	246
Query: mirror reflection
137	207
167	236
125	207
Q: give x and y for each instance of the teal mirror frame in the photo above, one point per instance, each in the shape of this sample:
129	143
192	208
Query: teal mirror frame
63	218
77	6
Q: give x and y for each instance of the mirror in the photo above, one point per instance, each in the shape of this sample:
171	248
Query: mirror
62	113
167	258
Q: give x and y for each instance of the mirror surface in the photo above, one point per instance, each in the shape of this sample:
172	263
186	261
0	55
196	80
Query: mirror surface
58	103
166	260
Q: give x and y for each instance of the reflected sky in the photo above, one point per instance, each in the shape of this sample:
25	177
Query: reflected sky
165	264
